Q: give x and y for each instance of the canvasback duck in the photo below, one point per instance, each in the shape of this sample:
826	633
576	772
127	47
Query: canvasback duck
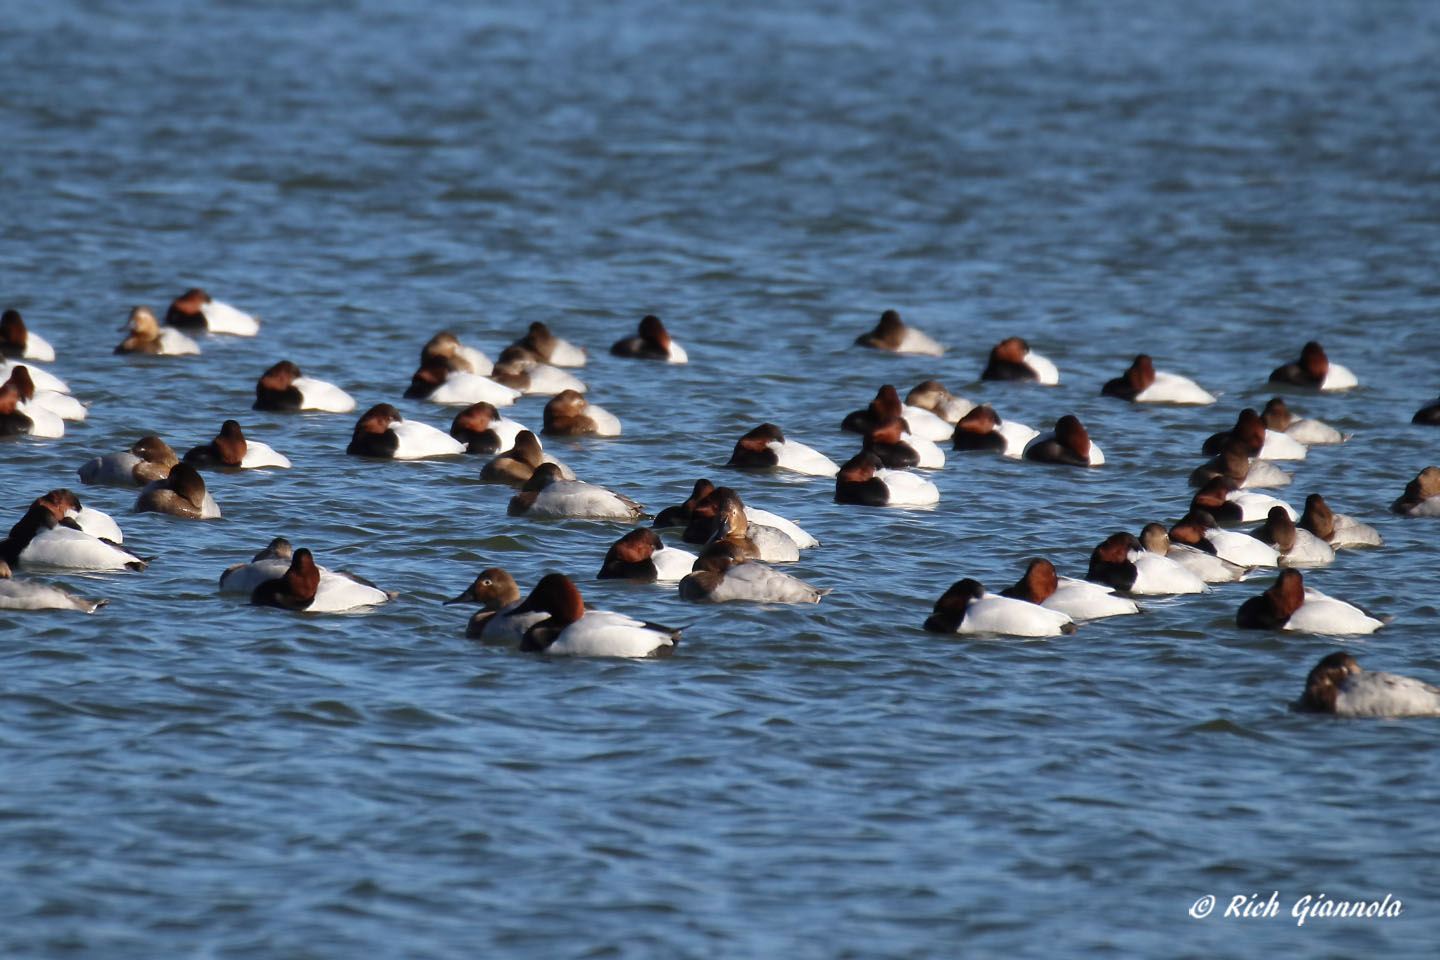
931	395
765	448
1337	685
30	595
40	377
1201	561
383	434
642	556
17	342
42	538
886	406
496	621
283	387
1422	495
1290	605
1142	383
1337	529
1121	562
552	349
982	429
899	450
197	310
17	420
457	356
1259	441
1314	369
547	494
67	509
303	587
1077	599
572	631
967	608
1228	505
569	414
1198	529
148	459
681	514
517	369
720	576
437	382
181	494
60	404
1428	415
1297	546
147	336
1069	445
1278	418
481	428
1235	463
862	480
517	465
233	450
651	342
892	334
721	516
336	591
1012	359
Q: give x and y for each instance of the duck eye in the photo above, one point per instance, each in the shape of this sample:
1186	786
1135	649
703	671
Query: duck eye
485	582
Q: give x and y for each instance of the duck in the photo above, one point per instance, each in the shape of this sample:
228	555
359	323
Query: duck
437	381
967	608
44	539
548	494
197	310
1297	546
483	430
232	449
148	459
1121	562
65	506
982	429
1290	605
1258	440
181	494
1428	415
383	434
1422	495
30	595
303	587
284	388
720	576
45	408
765	448
892	334
864	481
1077	599
1314	369
1228	505
517	465
570	630
569	414
147	336
336	590
1202	562
1278	418
1338	685
897	449
1069	445
651	342
1337	529
1012	359
886	406
641	555
1235	463
552	349
457	356
681	514
18	419
497	620
17	342
721	516
519	370
931	395
1198	529
1142	383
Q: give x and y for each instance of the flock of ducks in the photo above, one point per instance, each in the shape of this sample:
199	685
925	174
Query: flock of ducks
736	543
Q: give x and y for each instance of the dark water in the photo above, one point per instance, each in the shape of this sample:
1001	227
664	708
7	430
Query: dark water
188	776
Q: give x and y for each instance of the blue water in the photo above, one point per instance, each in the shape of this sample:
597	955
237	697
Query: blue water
185	775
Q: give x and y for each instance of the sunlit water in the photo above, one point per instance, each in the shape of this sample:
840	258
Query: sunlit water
190	776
